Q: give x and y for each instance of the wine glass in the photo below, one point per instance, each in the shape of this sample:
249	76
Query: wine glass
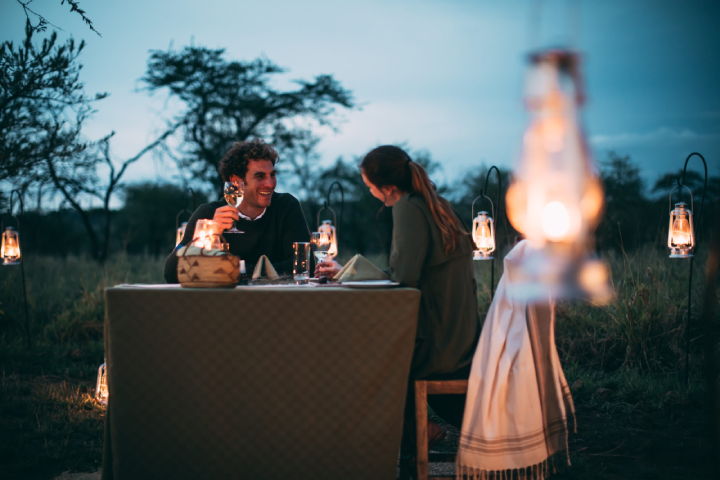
234	192
321	244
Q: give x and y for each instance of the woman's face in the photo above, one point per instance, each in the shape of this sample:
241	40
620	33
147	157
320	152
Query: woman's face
387	195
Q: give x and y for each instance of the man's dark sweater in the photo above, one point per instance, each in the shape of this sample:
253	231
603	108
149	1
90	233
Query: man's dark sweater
282	224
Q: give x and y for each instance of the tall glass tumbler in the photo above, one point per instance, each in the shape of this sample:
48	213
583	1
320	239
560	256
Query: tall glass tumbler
301	262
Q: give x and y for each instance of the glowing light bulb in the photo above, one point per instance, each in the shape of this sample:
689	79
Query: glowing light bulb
555	221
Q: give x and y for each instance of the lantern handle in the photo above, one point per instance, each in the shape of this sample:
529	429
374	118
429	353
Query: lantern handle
702	199
177	217
492	205
326	207
692	205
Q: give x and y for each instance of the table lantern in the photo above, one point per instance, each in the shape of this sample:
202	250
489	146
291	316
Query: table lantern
101	388
180	233
556	198
327	227
10	249
484	236
205	237
681	237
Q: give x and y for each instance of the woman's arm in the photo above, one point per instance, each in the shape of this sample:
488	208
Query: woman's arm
410	244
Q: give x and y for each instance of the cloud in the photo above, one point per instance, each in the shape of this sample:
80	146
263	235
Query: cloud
662	134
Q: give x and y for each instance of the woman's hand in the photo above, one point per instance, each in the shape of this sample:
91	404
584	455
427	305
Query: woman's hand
327	268
223	218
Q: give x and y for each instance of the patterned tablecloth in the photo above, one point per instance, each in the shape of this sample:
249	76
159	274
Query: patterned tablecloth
256	382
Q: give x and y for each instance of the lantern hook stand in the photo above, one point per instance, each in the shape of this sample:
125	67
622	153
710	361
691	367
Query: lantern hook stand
327	203
697	227
22	259
185	209
472	208
326	206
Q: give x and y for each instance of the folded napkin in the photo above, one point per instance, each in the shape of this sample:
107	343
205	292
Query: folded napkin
191	250
269	269
359	269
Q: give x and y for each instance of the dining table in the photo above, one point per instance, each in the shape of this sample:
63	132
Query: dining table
257	382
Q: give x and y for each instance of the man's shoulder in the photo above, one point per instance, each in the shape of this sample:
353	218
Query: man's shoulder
281	200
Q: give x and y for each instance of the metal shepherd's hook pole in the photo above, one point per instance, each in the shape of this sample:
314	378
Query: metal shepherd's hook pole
497	202
22	262
697	227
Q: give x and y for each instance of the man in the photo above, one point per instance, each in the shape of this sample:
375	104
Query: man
271	221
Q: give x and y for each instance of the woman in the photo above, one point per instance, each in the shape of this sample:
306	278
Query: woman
431	251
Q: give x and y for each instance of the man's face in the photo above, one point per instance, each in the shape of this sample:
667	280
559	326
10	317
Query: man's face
260	183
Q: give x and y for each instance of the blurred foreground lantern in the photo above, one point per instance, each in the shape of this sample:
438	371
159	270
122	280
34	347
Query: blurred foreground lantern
556	198
681	236
101	388
10	248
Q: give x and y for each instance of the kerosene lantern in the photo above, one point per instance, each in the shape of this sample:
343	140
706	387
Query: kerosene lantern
556	197
10	248
681	234
101	387
483	232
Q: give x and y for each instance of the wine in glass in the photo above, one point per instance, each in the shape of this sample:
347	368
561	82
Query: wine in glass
234	192
321	244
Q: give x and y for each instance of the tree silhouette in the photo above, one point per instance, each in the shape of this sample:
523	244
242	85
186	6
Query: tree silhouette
43	107
42	24
225	101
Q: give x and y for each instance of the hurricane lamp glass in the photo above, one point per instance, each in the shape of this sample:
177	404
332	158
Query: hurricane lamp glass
483	236
205	236
681	234
101	388
10	248
327	227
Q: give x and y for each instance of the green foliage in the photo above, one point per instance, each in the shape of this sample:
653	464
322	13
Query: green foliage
643	326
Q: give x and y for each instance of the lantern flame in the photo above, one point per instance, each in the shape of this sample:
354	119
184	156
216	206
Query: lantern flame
555	221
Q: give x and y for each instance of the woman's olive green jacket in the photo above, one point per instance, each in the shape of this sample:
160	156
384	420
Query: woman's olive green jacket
448	322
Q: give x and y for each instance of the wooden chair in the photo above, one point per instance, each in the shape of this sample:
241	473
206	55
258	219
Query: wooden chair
423	388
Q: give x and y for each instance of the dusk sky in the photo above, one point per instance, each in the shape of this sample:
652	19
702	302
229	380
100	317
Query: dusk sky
445	76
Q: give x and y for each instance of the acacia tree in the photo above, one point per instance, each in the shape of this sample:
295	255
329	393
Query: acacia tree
43	107
224	101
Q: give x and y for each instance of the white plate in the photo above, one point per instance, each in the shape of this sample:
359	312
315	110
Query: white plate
371	284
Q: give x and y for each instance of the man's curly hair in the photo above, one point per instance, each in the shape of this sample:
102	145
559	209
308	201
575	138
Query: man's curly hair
235	161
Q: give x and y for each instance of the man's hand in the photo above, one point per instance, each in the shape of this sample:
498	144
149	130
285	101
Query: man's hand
327	268
223	218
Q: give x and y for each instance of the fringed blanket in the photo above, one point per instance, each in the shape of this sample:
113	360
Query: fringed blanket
518	399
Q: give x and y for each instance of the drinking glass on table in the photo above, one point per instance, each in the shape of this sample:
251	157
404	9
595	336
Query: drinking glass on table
234	191
301	262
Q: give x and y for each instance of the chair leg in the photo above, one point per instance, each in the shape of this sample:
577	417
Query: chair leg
421	426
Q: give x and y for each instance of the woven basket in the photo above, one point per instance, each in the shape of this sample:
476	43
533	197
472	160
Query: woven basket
208	269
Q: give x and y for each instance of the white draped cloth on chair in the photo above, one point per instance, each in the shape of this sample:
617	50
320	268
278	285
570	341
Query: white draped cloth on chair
518	401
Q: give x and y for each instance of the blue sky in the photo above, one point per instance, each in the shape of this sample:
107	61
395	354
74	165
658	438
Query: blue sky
445	76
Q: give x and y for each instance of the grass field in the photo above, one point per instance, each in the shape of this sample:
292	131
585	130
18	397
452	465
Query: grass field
637	418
